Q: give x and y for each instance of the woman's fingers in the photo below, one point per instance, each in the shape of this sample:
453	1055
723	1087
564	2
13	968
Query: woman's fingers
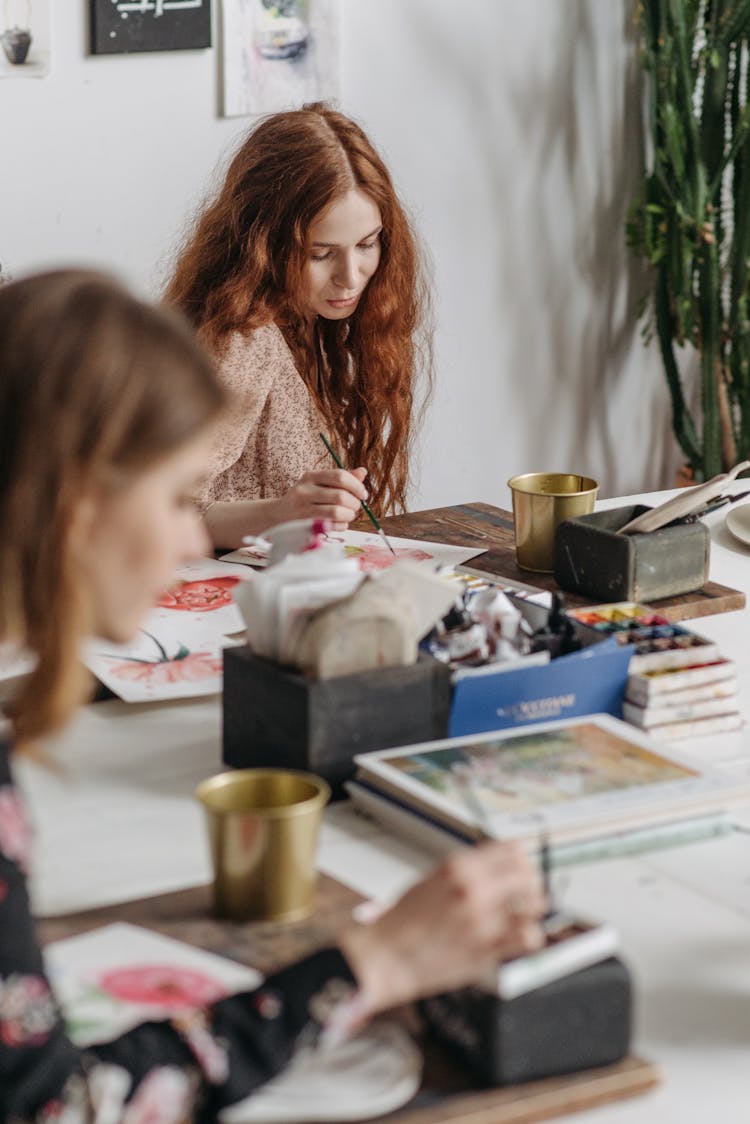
339	480
480	906
332	494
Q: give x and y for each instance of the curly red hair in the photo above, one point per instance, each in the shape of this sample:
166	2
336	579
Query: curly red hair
242	266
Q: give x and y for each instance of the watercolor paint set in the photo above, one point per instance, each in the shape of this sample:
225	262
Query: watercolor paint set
657	643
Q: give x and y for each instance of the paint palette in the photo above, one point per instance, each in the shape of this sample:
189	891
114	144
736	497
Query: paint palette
657	643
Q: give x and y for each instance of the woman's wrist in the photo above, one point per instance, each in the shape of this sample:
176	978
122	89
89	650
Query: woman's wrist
382	976
228	521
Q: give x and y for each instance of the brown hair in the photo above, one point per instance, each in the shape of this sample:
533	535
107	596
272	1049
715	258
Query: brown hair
243	264
95	387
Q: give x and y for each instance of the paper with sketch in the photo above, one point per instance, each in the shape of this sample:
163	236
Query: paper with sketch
371	554
177	652
110	979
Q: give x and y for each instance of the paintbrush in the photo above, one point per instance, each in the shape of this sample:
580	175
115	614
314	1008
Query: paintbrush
365	508
684	503
545	856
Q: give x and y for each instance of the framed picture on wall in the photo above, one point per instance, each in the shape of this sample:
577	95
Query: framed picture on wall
278	54
124	26
24	38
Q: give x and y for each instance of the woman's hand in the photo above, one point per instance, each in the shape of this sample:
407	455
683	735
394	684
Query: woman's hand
330	493
480	906
333	494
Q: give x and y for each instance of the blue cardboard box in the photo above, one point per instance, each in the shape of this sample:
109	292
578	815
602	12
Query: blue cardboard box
591	681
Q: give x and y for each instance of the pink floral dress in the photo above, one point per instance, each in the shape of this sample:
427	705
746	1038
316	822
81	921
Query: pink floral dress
181	1069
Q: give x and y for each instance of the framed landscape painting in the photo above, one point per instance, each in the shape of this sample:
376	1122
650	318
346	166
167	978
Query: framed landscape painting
123	26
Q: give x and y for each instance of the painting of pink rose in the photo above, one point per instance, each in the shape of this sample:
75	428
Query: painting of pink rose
199	596
161	985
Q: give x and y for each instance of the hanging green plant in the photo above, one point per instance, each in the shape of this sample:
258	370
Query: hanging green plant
691	217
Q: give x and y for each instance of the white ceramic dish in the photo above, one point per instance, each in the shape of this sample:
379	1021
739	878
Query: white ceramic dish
738	523
376	1072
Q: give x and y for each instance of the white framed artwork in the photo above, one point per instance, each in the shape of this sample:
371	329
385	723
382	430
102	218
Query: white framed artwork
24	38
278	54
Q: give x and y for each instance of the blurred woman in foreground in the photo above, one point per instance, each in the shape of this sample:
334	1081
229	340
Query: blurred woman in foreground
108	409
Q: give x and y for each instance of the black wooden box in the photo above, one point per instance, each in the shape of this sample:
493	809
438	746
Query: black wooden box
578	1022
274	715
592	559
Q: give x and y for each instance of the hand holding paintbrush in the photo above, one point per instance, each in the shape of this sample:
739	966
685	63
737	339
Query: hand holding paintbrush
365	508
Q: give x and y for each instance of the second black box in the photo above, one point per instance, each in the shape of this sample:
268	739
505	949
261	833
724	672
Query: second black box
275	716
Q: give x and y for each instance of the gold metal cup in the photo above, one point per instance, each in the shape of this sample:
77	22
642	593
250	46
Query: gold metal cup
541	501
263	829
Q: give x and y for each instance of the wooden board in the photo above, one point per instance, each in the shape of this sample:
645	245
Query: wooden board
480	524
537	1100
448	1094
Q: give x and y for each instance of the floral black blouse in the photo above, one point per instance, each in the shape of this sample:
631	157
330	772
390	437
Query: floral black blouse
184	1068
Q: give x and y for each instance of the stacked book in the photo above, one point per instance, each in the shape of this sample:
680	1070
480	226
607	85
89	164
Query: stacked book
687	701
591	786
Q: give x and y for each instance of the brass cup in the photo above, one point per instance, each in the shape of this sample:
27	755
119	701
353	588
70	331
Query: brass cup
541	501
263	829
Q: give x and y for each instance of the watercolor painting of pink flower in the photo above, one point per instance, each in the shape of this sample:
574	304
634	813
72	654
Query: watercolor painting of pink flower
183	667
15	835
190	668
199	596
161	985
372	558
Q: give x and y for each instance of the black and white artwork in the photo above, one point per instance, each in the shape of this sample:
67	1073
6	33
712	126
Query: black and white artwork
122	26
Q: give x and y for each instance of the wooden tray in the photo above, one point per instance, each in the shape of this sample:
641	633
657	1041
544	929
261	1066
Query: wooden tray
480	524
448	1094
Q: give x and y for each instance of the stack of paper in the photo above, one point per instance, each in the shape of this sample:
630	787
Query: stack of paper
574	781
684	702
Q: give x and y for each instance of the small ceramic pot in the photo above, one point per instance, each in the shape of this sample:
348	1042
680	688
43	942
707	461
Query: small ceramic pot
16	43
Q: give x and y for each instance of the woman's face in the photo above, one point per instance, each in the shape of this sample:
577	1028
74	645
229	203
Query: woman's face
127	545
343	252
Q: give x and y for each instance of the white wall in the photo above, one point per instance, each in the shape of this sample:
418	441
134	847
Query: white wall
512	128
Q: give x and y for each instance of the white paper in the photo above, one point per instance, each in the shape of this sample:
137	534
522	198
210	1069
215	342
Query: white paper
372	555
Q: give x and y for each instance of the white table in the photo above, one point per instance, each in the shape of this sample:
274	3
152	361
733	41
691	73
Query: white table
122	823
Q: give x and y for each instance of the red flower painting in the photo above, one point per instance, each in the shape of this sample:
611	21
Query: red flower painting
199	596
161	985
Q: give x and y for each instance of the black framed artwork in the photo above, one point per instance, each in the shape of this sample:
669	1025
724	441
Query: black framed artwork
122	26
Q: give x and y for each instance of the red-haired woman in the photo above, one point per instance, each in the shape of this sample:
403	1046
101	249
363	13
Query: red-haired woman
303	278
